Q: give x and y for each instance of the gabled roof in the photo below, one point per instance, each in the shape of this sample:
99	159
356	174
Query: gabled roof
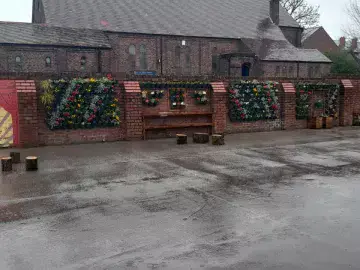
203	18
36	34
308	33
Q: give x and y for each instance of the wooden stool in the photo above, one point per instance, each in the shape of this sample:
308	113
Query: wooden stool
218	139
31	163
181	139
200	138
6	164
15	157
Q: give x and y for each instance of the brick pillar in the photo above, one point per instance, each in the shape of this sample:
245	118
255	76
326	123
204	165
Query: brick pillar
288	105
347	99
27	114
133	111
219	105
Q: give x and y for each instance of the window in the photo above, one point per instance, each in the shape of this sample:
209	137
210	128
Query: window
187	59
277	71
132	50
245	70
132	57
83	63
48	61
215	60
18	62
310	72
177	56
183	42
284	71
143	57
317	71
291	71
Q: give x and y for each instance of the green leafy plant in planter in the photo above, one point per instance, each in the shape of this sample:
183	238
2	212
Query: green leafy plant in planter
253	101
81	103
200	97
177	98
152	98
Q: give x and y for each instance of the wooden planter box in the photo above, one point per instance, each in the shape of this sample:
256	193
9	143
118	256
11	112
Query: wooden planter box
328	122
316	122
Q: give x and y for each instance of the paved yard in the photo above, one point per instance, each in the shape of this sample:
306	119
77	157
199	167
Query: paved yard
281	200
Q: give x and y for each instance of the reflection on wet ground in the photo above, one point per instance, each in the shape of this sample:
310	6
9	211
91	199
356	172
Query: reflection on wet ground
280	200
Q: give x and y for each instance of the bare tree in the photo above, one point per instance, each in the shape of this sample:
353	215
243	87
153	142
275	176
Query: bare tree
353	10
305	14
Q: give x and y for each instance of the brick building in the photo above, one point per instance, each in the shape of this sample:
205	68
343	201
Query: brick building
184	37
318	38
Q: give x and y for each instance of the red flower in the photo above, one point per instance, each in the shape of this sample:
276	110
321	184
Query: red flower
274	107
309	93
243	116
147	101
269	100
302	91
232	91
268	94
105	90
66	114
57	123
109	76
237	101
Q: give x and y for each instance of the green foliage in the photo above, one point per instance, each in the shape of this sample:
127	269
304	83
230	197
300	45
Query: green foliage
253	101
81	103
177	98
200	97
343	63
152	97
302	103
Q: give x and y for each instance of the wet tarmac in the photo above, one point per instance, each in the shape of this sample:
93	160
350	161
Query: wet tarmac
280	200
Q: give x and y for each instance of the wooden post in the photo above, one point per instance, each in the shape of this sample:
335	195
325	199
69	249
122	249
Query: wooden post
218	139
200	138
181	139
6	164
15	157
31	163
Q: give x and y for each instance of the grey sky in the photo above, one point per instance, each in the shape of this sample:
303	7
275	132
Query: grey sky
331	13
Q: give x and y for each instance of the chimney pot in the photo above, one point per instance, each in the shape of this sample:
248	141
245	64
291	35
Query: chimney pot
342	43
274	11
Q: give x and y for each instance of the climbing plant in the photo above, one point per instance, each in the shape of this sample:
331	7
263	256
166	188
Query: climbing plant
80	103
253	100
152	97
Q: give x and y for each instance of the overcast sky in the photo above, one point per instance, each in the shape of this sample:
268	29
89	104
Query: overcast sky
331	13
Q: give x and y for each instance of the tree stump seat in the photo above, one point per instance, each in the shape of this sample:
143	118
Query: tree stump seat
217	139
200	137
6	164
31	163
181	138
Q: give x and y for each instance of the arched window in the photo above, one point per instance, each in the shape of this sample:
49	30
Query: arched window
48	61
177	56
187	59
291	71
18	59
310	72
132	57
284	71
143	57
83	63
277	71
245	70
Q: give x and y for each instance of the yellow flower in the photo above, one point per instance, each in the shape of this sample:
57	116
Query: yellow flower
92	80
117	118
255	90
112	105
79	105
116	100
73	116
70	122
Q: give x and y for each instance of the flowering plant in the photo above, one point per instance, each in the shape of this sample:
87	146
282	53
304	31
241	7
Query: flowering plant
177	98
200	97
81	103
253	100
303	103
152	98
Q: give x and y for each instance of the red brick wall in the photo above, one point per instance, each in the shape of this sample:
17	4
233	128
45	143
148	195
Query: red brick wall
27	111
133	111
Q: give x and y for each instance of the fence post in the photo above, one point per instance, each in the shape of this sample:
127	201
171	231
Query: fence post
219	105
133	110
289	106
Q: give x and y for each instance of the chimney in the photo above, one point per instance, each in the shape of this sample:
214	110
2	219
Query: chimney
342	43
274	11
354	44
